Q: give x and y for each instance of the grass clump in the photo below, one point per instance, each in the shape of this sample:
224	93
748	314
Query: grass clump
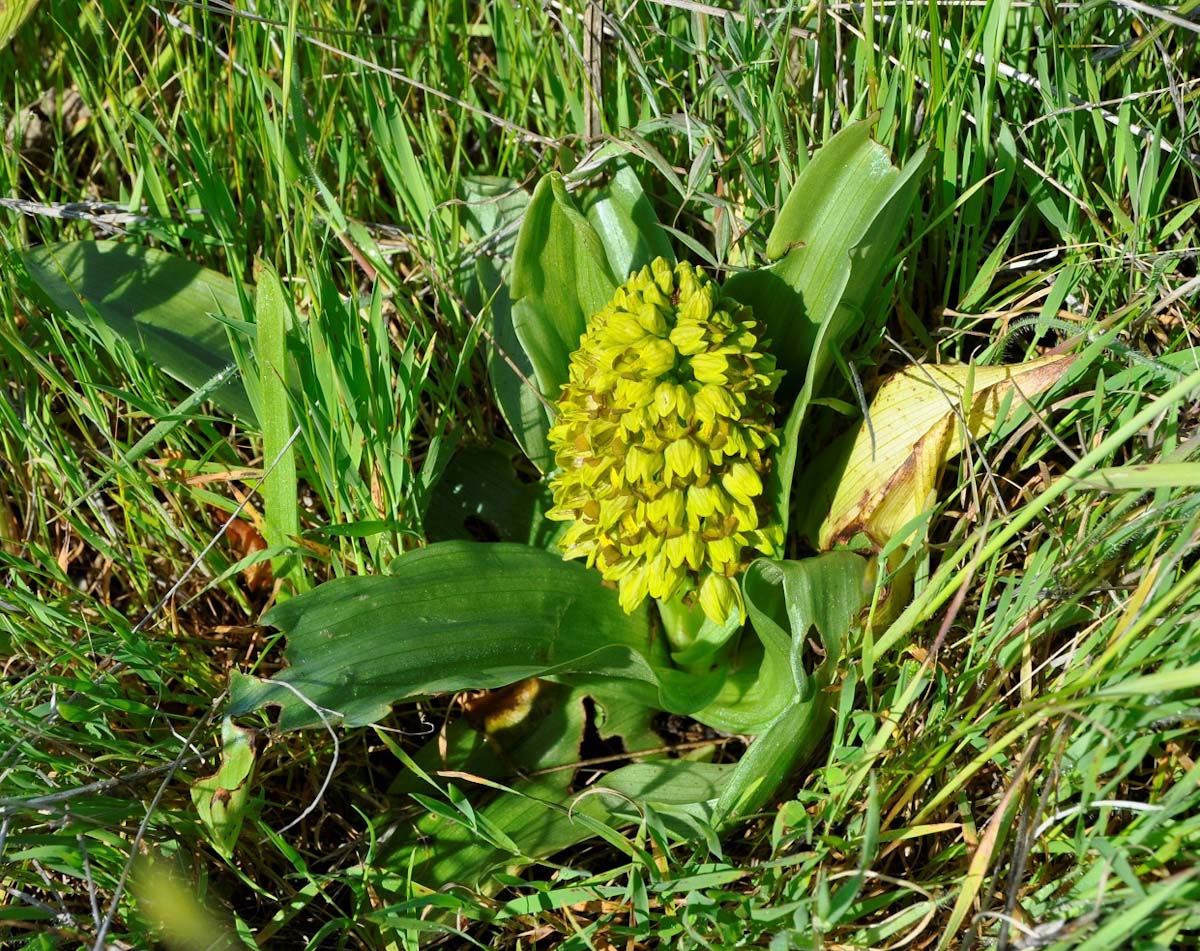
1012	760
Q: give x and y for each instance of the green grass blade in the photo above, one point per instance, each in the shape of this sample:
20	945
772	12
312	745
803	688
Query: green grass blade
280	491
12	14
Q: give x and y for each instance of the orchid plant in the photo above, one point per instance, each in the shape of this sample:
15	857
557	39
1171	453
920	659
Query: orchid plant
665	412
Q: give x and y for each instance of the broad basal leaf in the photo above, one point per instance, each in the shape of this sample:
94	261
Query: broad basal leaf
921	418
571	253
625	222
161	304
527	727
457	616
479	497
491	211
786	601
535	729
540	818
845	213
793	605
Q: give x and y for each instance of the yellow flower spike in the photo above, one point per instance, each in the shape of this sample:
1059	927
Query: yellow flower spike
657	357
633	589
722	552
684	459
661	440
667	508
683	401
664	399
704	500
713	401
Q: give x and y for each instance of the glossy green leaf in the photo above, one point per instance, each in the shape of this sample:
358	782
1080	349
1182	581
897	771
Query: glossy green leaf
561	276
162	305
773	759
492	208
457	616
789	603
514	382
624	220
536	817
786	601
542	819
571	253
280	492
530	726
480	497
823	594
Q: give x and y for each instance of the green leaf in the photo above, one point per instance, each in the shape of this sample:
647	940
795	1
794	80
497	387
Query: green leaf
625	222
480	497
280	491
514	382
530	726
533	819
163	306
561	277
825	593
772	759
785	600
491	210
788	601
568	261
833	240
535	816
457	616
220	799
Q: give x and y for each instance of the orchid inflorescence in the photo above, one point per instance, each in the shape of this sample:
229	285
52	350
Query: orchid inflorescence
663	440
